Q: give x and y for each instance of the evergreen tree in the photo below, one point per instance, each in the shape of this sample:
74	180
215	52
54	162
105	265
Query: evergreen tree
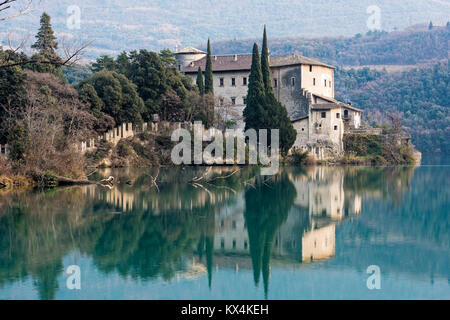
254	113
279	119
89	96
265	67
122	64
277	116
168	58
119	96
200	85
105	62
209	85
45	39
46	46
12	92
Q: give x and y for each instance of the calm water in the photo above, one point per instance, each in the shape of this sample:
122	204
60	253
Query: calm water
305	234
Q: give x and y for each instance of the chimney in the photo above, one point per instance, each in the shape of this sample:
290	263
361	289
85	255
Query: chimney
235	57
215	58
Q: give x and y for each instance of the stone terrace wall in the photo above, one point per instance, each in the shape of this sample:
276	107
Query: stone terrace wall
128	130
4	150
123	131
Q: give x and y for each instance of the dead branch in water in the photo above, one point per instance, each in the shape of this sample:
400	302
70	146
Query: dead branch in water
202	178
63	181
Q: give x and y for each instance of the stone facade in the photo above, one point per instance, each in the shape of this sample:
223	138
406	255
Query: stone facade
303	85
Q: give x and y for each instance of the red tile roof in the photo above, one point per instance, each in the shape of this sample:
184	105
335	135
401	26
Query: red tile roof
243	62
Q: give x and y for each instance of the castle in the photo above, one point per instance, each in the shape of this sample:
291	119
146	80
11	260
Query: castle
303	85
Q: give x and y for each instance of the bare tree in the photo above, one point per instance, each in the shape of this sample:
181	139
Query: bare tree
5	5
396	122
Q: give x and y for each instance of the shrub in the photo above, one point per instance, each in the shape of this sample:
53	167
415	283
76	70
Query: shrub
300	157
124	150
45	180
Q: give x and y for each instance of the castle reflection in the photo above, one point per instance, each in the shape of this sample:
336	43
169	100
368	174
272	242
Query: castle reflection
177	229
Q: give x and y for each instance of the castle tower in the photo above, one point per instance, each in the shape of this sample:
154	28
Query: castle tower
187	55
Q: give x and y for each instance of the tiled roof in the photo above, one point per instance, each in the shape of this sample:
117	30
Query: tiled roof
324	106
190	50
334	102
295	118
294	60
223	63
244	62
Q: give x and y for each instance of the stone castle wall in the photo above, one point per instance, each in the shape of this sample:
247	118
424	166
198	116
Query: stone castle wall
4	150
129	130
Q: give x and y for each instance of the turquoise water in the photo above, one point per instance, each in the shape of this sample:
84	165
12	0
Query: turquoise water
307	233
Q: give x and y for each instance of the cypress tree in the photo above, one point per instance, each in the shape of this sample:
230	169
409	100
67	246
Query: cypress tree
265	67
200	85
209	86
276	114
254	113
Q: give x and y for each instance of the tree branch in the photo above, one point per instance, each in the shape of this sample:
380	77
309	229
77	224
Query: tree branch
6	4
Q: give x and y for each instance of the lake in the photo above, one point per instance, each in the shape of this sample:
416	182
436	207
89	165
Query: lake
220	233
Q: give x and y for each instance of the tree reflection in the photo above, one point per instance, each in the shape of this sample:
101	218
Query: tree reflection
136	231
267	206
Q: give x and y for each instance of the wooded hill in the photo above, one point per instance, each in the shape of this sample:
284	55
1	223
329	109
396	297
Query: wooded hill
415	45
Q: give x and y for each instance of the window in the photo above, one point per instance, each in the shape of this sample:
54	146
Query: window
310	68
233	82
329	83
325	82
245	244
324	115
221	82
233	101
221	101
293	81
222	243
245	100
303	129
338	115
179	67
314	81
345	113
335	128
233	225
244	81
275	83
234	243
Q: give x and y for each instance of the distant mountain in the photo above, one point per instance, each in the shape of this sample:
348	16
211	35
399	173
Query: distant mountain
413	46
420	95
118	25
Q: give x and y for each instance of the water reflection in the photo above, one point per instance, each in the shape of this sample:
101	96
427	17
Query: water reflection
245	222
